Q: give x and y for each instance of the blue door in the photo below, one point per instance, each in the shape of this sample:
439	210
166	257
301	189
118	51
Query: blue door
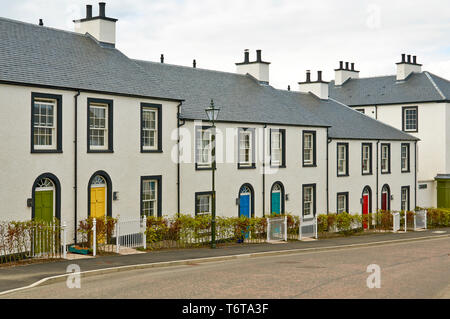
276	203
244	208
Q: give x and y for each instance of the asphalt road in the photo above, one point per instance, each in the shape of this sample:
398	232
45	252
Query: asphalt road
408	270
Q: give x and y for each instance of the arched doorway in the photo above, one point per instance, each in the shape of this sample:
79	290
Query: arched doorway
277	199
386	198
46	198
366	203
246	201
99	195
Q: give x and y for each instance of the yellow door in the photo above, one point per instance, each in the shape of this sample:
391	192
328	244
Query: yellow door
98	202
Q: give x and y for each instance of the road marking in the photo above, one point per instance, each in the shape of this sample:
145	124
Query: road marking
103	271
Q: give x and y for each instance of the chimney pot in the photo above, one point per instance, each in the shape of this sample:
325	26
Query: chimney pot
409	58
308	76
102	12
289	87
41	22
162	58
346	65
414	59
353	66
319	76
246	56
194	64
258	56
403	58
341	65
88	11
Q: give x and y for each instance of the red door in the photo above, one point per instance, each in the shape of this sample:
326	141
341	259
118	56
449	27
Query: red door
365	209
384	201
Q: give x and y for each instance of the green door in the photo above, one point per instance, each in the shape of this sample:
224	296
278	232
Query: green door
43	206
443	193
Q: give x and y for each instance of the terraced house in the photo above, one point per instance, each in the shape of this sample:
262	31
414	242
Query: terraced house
416	102
87	131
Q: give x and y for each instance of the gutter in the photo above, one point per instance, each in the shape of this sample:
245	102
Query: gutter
180	123
75	145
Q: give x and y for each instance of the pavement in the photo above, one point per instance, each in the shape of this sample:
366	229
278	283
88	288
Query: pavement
21	276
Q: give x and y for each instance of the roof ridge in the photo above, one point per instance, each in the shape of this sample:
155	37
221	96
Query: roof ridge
435	85
189	67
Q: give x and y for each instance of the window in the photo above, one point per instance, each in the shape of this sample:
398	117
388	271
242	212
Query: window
405	158
366	159
385	158
100	125
342	159
246	151
203	143
203	203
342	203
151	196
277	148
151	128
405	198
363	111
309	148
410	119
309	200
46	123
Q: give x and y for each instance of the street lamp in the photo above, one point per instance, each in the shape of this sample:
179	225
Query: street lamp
212	113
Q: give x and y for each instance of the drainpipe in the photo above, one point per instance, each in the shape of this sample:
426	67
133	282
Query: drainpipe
328	193
75	144
415	175
264	171
180	123
376	112
378	142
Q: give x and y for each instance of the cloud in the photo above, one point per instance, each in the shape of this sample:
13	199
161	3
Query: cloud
294	35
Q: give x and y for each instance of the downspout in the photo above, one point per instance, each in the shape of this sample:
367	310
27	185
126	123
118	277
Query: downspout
180	123
378	142
75	144
376	112
264	171
415	175
328	193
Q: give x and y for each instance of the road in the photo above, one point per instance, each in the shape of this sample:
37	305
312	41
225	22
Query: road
408	270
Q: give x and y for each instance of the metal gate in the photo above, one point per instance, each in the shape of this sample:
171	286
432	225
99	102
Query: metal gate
307	228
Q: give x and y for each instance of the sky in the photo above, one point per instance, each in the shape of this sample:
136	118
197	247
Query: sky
294	35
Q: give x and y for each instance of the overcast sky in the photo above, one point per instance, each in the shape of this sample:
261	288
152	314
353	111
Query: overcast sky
294	35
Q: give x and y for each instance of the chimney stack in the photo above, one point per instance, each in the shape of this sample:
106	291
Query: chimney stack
258	69
319	88
343	74
41	22
194	64
100	27
407	66
162	58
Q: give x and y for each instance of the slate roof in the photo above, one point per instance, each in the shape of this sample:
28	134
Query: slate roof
45	56
42	56
243	99
418	87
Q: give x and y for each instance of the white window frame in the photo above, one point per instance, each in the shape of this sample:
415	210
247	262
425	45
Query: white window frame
385	154
308	190
200	205
405	119
405	159
243	151
342	160
150	130
204	148
308	150
152	209
105	129
53	128
366	159
276	153
404	199
342	209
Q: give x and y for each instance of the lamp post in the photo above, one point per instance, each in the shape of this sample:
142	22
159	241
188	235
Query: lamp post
212	112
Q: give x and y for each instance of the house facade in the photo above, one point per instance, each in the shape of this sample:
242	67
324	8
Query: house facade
416	102
90	132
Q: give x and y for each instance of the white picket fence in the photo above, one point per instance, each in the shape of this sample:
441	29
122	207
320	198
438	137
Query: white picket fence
420	220
277	229
396	222
307	228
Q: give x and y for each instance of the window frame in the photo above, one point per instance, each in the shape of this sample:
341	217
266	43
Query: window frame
252	164
408	161
158	179
360	110
109	130
346	145
198	130
388	171
57	137
210	195
313	150
346	194
158	119
370	171
408	203
404	109
313	186
282	133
